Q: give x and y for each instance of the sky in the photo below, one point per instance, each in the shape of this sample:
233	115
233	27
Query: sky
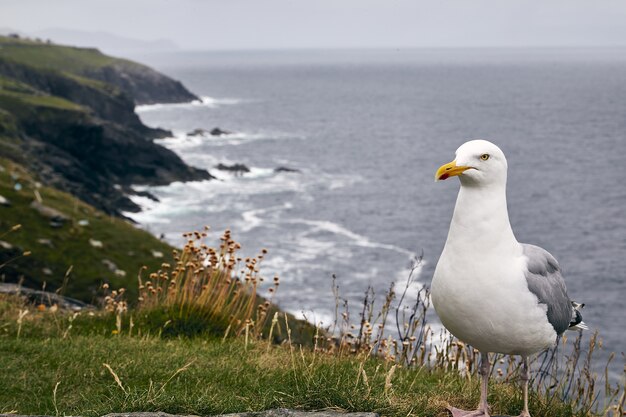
278	24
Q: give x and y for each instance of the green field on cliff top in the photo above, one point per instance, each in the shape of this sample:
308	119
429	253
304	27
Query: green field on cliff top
58	366
88	241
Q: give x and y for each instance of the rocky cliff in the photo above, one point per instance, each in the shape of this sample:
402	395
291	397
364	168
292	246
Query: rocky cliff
68	115
142	83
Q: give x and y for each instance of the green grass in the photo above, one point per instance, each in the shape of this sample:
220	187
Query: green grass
71	62
209	376
56	57
127	246
20	102
10	85
55	363
15	99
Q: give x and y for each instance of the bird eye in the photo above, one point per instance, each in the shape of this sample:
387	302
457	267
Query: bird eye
484	156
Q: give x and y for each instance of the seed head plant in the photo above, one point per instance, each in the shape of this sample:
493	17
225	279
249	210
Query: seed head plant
209	286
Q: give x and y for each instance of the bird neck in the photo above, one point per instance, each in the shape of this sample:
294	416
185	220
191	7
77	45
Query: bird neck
481	219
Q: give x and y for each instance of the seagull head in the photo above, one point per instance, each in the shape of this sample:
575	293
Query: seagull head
478	163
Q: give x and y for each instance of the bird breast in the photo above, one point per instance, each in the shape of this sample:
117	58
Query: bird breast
482	298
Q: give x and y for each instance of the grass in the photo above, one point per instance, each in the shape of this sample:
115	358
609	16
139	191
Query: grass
208	285
69	246
21	98
97	362
57	57
16	100
63	64
203	376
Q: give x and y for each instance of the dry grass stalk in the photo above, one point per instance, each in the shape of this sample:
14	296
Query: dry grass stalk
178	371
54	397
215	284
388	379
565	373
115	377
20	318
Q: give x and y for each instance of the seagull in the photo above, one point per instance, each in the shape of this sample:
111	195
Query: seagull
489	290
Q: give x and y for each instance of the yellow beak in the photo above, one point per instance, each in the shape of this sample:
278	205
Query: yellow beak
451	169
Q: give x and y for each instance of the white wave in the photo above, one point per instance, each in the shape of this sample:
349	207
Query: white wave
358	240
241	186
224	101
205	101
255	173
259	173
241	138
251	218
146	217
144	202
310	250
317	317
182	142
342	181
412	283
175	200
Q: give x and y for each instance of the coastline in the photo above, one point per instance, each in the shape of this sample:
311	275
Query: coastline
71	119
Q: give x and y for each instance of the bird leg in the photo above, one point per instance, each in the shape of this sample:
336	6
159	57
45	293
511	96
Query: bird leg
525	377
483	407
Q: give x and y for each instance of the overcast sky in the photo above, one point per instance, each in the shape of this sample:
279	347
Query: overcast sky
245	24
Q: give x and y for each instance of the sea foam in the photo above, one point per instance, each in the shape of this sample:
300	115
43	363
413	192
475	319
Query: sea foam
205	101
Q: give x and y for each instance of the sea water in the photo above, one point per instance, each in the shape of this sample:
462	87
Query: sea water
367	130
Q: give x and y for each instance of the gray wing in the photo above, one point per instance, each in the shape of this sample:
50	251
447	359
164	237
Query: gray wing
546	282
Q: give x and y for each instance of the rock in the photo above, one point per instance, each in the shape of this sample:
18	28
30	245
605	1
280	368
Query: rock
147	195
157	254
146	414
143	84
110	265
96	243
49	213
216	131
4	201
197	132
282	412
237	168
85	150
45	242
285	169
43	297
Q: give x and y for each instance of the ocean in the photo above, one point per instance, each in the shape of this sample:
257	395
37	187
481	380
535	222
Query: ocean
366	130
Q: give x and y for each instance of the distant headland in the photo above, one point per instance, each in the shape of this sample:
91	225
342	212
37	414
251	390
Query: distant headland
67	114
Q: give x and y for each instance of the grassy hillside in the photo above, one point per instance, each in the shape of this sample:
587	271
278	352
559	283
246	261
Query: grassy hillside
67	114
56	57
56	366
55	249
12	91
138	81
